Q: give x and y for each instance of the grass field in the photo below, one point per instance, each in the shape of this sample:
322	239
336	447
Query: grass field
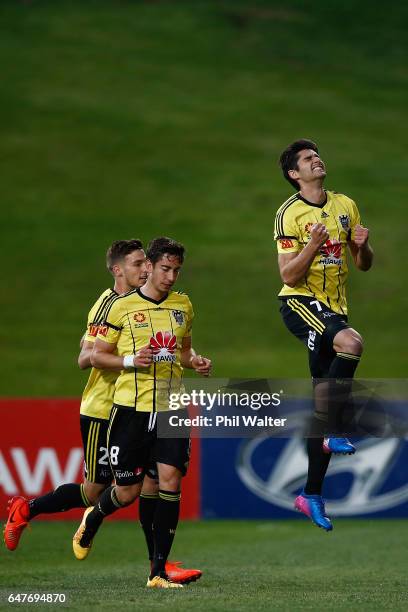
255	565
125	118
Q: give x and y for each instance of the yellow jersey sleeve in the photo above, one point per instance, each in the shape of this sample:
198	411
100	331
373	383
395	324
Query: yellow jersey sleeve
92	325
286	231
354	218
113	324
189	319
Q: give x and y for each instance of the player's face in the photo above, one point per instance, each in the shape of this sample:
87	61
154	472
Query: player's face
310	167
164	273
133	269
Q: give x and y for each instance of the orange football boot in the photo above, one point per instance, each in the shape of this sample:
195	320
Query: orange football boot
18	517
181	575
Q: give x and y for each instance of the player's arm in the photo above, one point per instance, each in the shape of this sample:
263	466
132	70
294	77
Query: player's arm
103	357
84	357
190	359
360	248
294	266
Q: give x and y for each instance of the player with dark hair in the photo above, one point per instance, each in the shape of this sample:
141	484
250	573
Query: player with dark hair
147	337
313	229
126	261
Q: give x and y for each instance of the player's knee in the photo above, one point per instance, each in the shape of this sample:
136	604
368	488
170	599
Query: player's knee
93	491
170	483
127	495
150	486
349	341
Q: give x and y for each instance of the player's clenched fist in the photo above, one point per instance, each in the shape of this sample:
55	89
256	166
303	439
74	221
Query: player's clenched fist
319	234
360	235
143	357
201	365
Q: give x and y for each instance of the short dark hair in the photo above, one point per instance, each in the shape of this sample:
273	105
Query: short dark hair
290	156
119	249
164	246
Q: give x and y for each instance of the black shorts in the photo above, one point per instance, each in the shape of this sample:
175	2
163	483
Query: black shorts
171	451
131	438
96	462
312	322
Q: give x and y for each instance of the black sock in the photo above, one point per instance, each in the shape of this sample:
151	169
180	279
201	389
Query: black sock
107	504
63	498
341	375
318	464
147	508
164	529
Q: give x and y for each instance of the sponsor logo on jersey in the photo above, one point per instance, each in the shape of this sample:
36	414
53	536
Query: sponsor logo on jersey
163	345
286	243
345	221
178	316
324	214
140	319
94	330
331	252
103	330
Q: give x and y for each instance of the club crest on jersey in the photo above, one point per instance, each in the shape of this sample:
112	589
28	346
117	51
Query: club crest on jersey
178	316
331	253
308	228
163	345
345	221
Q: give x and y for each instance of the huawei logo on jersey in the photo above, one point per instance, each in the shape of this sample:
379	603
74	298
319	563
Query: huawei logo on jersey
331	251
163	345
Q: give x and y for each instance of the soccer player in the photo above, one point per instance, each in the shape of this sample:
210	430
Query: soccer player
126	261
147	337
313	229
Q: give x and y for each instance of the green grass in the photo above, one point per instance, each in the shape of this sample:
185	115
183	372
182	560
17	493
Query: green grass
125	118
276	565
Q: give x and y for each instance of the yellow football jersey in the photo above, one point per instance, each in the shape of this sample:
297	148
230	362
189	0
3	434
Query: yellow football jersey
97	398
133	321
326	277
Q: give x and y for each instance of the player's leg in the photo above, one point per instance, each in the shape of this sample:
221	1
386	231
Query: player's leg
302	322
129	443
348	348
70	495
148	503
97	474
172	457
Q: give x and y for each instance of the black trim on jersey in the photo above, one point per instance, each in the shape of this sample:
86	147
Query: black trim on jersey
279	216
148	299
171	365
100	313
324	279
287	238
340	268
313	203
134	352
112	326
154	364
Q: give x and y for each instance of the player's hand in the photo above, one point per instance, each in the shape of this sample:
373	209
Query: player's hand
201	365
360	237
318	234
143	357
